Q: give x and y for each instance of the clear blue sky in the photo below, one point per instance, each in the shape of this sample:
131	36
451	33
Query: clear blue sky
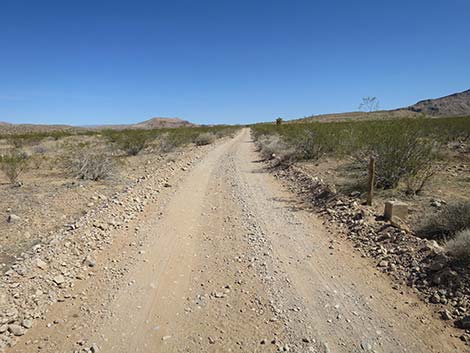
220	61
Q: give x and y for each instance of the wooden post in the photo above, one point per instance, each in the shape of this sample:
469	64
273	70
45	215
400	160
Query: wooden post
371	182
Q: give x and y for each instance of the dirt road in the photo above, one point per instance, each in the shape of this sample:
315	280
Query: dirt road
232	263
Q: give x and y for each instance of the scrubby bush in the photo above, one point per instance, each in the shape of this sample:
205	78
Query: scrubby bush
312	145
403	153
13	164
452	219
129	141
89	163
459	247
273	146
206	138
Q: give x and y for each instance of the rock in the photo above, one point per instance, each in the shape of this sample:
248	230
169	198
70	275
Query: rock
463	323
3	328
41	264
16	330
94	348
366	346
89	261
13	218
398	223
59	279
435	298
446	315
436	266
432	245
27	323
383	263
396	209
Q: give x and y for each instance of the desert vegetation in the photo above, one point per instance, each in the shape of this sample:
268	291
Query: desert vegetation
405	149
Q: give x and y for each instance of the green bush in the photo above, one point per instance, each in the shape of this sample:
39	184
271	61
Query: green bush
13	164
403	152
129	141
405	149
447	222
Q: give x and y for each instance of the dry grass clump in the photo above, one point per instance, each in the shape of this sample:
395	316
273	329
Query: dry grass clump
274	146
453	218
13	164
459	247
87	162
206	138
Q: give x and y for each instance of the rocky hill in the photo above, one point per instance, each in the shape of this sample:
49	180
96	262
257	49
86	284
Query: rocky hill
457	104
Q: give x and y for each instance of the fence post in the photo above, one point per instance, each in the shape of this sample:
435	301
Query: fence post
371	182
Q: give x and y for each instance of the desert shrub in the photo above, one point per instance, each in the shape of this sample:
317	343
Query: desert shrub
167	143
274	146
312	144
205	138
402	152
459	247
13	163
89	163
453	218
129	141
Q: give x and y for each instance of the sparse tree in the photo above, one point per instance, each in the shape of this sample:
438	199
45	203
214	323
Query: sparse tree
369	104
279	121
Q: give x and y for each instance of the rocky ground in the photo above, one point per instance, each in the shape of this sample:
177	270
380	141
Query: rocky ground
210	253
411	262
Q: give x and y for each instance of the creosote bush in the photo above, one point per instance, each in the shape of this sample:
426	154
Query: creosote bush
403	153
206	138
129	141
444	224
406	150
459	247
13	164
88	162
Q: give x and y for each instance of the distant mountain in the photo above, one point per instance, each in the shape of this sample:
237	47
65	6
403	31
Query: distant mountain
457	104
154	123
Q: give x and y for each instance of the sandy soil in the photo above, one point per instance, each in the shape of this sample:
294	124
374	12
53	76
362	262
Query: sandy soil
227	260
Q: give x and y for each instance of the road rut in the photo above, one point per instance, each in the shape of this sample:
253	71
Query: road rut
233	263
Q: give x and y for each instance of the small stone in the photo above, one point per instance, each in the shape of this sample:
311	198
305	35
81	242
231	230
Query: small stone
94	348
16	330
41	264
3	328
383	263
27	323
59	279
464	323
13	218
89	261
446	315
435	298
